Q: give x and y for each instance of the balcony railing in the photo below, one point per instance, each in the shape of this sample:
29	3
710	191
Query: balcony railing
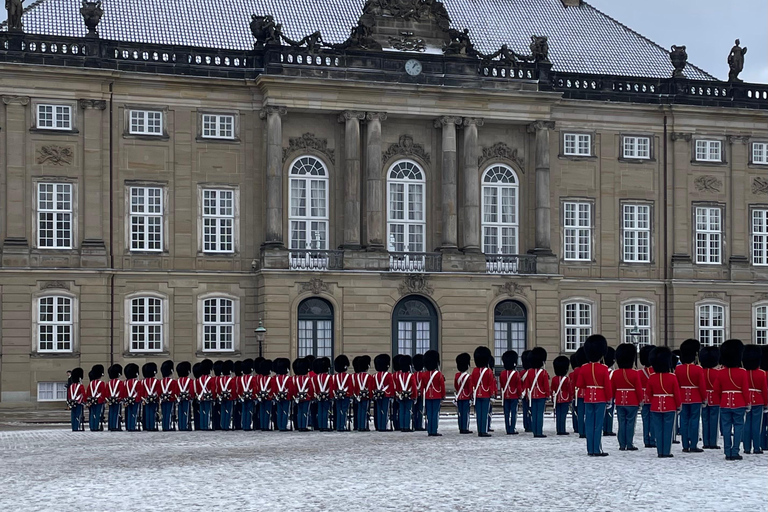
415	262
316	261
510	264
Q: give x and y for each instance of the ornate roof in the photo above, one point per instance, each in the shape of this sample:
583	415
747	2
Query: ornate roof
581	39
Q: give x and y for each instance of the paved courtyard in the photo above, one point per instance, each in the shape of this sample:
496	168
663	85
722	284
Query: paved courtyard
55	469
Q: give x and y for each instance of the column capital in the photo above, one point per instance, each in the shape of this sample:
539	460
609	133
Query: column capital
477	121
675	136
447	120
92	104
743	139
272	109
16	100
348	115
540	125
372	116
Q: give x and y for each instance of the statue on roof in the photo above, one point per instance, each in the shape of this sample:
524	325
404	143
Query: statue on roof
15	10
265	31
540	49
360	38
679	58
92	13
460	43
736	61
314	41
506	56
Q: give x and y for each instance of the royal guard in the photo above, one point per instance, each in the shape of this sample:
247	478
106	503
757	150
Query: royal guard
310	360
562	395
323	392
610	360
758	392
343	391
185	395
237	407
574	404
709	358
218	368
168	395
300	391
384	390
693	387
205	389
406	392
536	386
492	366
434	391
246	390
525	360
197	372
764	367
596	382
227	394
463	387
645	411
282	394
132	398
115	397
76	399
581	410
394	409
364	385
483	388
95	396
732	387
265	392
149	394
627	394
662	392
511	387
418	404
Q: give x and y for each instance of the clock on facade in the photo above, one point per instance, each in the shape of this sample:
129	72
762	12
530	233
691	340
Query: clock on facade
413	67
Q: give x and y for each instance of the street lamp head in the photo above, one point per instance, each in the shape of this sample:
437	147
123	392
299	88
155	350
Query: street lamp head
635	331
260	331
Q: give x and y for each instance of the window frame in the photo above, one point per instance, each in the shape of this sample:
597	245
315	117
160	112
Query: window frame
314	350
129	217
726	320
234	324
72	323
753	235
634	156
495	320
307	220
579	302
422	183
752	150
57	387
499	225
130	132
651	327
433	320
54	114
708	234
577	144
755	328
218	118
624	231
163	323
709	142
235	218
56	214
590	229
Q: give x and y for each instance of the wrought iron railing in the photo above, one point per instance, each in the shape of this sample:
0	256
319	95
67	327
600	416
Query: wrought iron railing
415	262
318	261
510	264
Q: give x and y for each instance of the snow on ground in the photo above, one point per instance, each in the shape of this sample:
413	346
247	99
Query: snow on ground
63	470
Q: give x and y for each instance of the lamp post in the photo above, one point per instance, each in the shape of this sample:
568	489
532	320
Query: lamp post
635	332
261	333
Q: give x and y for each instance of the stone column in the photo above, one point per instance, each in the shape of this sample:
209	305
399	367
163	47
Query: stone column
16	211
679	166
469	222
739	239
450	238
274	233
543	208
374	183
93	247
351	122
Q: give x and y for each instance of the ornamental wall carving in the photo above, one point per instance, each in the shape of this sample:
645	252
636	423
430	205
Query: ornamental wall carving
55	155
316	286
500	151
512	288
405	147
309	141
708	183
415	283
760	186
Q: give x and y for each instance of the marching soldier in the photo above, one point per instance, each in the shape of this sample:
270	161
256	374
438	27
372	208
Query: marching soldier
310	360
115	397
463	387
149	394
511	386
732	386
405	386
76	399
610	360
246	390
185	389
595	381
574	404
364	385
344	390
483	388
225	391
709	357
645	411
197	372
383	392
218	368
237	406
758	392
204	391
627	394
525	360
764	367
323	392
581	410
434	391
169	393
265	394
693	387
662	392
394	409
561	393
536	386
132	398
300	391
95	396
282	393
418	404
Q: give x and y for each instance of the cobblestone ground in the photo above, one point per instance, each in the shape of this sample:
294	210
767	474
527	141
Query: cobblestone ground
57	469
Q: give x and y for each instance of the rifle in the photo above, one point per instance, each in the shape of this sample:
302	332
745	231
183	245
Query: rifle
174	417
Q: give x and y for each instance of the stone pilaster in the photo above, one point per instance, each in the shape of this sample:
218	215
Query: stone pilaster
680	151
274	192
17	212
374	183
93	248
449	170
469	220
352	192
739	231
541	130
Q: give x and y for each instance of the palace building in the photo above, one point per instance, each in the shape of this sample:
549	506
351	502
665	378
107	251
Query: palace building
365	177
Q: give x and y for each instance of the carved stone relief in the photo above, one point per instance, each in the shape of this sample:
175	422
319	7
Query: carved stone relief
308	141
708	183
315	285
760	186
406	147
415	283
511	289
55	155
500	150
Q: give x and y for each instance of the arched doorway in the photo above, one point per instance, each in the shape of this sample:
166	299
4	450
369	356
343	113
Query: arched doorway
414	326
510	328
315	329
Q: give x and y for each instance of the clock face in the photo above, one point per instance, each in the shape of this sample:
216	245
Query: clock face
413	67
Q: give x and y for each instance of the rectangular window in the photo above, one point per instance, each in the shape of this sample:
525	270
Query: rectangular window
146	324
711	324
51	391
146	122
761	325
577	144
54	117
146	219
218	325
577	219
760	153
578	324
637	233
218	126
709	235
55	324
218	220
637	324
54	215
709	151
760	237
637	147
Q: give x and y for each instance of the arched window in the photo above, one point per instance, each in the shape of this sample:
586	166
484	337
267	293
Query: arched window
308	198
761	324
146	324
315	328
510	327
55	323
577	323
712	322
500	210
637	324
414	326
218	324
405	215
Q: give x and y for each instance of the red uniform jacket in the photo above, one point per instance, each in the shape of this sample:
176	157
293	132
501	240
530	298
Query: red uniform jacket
595	379
732	388
246	384
627	388
663	392
710	376
299	387
758	387
132	390
344	385
364	382
383	381
203	385
536	383
405	385
692	383
645	374
169	389
185	385
511	384
422	378
224	384
96	389
577	393
434	385
149	387
483	383
463	386
76	392
561	394
116	389
322	384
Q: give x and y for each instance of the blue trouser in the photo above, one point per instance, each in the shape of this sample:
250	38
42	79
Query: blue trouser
205	415
690	415
323	411
215	416
710	423
131	416
226	414
463	410
608	423
382	413
752	426
765	430
166	408
663	424
395	414
432	407
313	415
490	415
237	415
418	413
627	415
113	422
361	417
510	414
94	417
561	415
405	414
526	415
594	416
283	410
342	410
183	415
196	414
265	414
481	414
581	412
575	417
149	421
732	427
76	417
302	414
246	415
645	414
537	416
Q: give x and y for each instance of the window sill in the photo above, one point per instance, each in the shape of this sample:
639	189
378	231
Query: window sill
54	131
205	140
577	158
227	255
147	136
761	166
149	353
209	353
637	263
73	251
708	163
147	253
54	355
637	160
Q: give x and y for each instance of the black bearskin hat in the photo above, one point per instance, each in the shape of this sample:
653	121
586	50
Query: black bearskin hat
610	356
317	366
257	362
431	360
491	361
115	371
166	369
183	369
98	370
731	352
645	355
238	368
284	366
709	357
247	367
206	366
581	356
540	353
131	371
357	364
366	359
536	359
340	364
149	370
300	366
381	362
418	362
92	376
197	370
273	366
481	357
689	349
595	348
396	362
218	367
327	364
525	359
509	359
77	375
266	366
751	357
462	361
574	361
626	354
227	367
661	359
764	359
561	364
405	363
